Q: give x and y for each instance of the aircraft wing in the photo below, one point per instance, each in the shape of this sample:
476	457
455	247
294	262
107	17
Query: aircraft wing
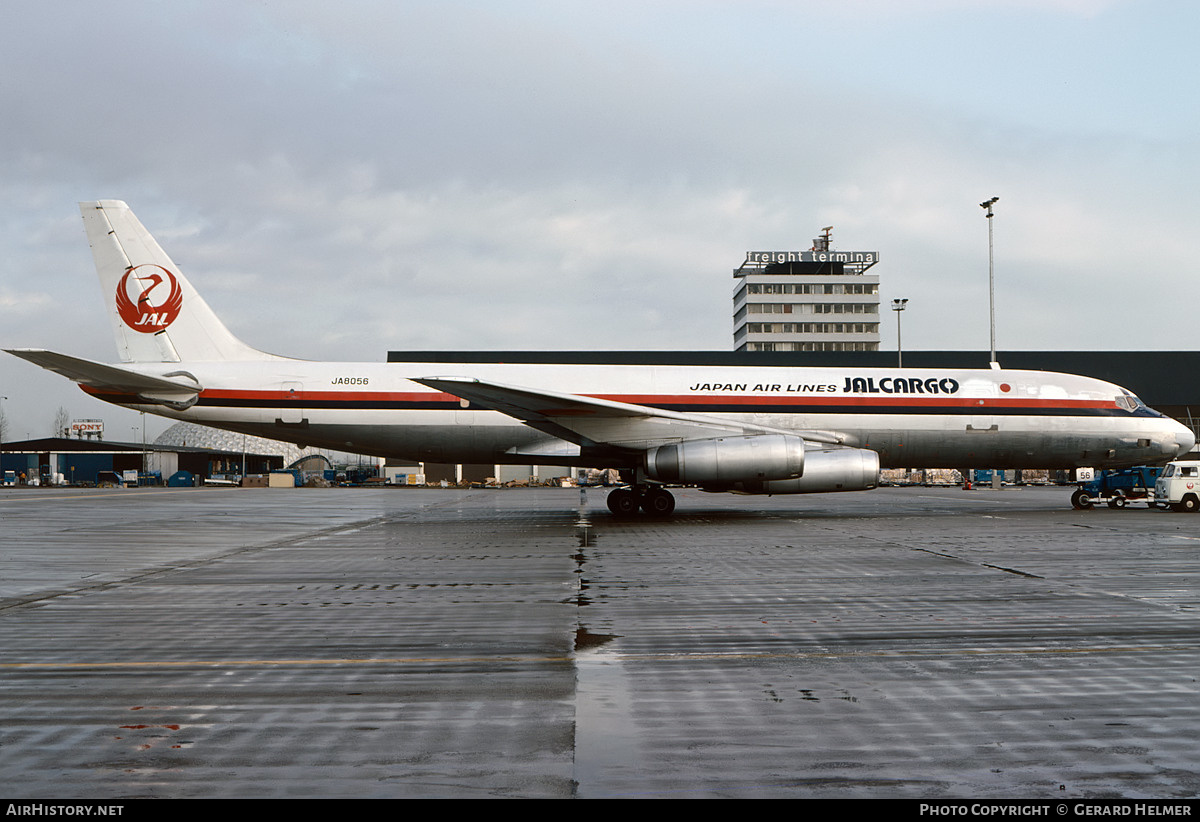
591	422
177	390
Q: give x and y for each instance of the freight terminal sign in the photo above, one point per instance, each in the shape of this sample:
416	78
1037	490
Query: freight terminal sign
768	257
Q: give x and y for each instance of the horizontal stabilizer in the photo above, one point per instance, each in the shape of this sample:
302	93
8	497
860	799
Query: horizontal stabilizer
595	422
177	390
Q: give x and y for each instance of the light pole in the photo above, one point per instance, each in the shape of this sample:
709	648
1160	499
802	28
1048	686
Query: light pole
899	305
134	429
987	206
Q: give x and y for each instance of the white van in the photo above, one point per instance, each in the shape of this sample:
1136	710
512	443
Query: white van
1179	486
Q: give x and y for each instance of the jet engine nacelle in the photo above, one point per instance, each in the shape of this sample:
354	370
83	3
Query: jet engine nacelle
757	458
838	469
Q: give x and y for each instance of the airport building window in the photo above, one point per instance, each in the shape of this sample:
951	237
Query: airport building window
810	346
809	288
810	328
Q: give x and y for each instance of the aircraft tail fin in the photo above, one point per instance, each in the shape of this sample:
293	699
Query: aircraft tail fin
157	315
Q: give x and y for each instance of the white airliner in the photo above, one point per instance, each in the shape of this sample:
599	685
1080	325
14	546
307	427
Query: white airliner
752	429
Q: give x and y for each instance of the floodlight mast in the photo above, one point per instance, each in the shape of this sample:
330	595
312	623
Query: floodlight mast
987	206
899	305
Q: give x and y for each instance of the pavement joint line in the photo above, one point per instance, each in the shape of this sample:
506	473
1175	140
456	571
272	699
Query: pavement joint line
149	573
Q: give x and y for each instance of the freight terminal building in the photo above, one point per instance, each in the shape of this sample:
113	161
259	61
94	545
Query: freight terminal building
818	300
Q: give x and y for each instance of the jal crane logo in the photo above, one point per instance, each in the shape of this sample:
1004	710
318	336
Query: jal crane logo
140	313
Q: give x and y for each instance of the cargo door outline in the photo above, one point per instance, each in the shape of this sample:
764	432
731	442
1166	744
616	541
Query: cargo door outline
292	413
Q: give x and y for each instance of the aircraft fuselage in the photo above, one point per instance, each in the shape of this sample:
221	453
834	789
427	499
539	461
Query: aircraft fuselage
911	417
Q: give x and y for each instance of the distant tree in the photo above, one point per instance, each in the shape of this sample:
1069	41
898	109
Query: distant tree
62	423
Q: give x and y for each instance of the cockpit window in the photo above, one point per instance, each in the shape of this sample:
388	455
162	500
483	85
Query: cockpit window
1129	402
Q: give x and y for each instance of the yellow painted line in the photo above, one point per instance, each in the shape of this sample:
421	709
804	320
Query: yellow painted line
601	654
103	493
216	663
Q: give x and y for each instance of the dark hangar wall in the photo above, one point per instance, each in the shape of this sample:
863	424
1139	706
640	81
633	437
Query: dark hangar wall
1161	378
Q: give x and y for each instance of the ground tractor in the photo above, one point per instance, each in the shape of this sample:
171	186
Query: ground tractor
1117	488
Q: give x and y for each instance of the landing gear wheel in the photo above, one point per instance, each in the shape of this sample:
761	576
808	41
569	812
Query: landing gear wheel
623	502
658	502
1081	500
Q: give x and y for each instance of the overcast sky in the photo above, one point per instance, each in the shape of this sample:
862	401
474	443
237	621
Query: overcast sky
344	179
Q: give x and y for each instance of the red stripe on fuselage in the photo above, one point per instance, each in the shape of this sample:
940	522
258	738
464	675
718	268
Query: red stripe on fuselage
276	395
852	400
652	400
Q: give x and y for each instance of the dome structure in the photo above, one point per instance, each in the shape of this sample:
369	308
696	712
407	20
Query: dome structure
190	435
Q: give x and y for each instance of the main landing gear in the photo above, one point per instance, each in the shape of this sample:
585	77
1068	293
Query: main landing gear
653	499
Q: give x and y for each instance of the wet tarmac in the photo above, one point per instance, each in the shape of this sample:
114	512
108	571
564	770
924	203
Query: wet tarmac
907	642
